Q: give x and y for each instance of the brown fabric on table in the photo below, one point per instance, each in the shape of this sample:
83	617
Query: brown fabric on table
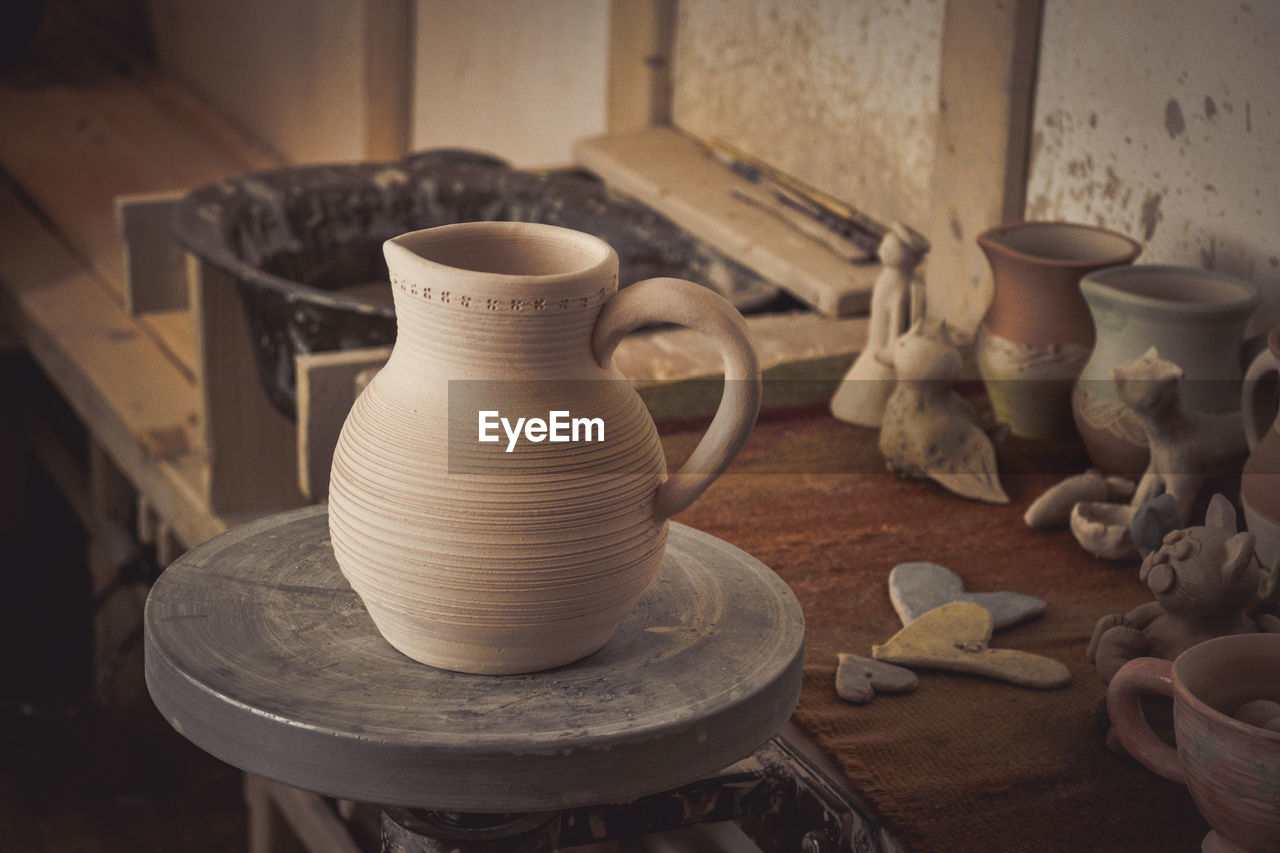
963	763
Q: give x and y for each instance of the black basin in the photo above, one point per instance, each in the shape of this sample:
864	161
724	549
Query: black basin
304	244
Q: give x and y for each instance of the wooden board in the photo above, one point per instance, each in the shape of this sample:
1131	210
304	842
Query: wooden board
989	50
250	446
258	651
139	405
326	391
679	178
154	270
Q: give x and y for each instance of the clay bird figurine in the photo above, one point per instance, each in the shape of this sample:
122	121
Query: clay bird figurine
930	431
897	298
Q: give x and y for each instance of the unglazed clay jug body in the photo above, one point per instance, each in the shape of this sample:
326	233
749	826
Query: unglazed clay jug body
1260	483
483	548
1195	318
1036	335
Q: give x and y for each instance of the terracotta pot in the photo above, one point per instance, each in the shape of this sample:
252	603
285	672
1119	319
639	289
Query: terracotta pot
1036	336
486	550
1260	483
1231	767
1194	317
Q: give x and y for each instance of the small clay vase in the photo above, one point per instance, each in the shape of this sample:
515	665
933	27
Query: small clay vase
1260	483
1194	317
1229	765
1037	335
483	548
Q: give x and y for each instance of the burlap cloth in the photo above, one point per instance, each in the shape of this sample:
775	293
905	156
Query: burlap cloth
963	763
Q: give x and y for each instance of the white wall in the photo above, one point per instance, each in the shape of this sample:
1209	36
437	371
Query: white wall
1162	120
842	94
291	73
523	80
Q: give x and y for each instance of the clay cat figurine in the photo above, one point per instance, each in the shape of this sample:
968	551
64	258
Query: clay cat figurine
1203	578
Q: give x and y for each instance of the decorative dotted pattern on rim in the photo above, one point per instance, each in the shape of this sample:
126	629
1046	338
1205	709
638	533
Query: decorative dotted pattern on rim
511	306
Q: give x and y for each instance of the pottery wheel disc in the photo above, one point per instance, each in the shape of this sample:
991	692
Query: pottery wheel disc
258	652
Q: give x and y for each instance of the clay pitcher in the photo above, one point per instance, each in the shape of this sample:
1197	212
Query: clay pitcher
499	497
1194	317
1037	335
1260	483
1229	763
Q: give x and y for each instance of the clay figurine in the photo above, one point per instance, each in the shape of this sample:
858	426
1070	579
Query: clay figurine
929	430
1186	447
1203	578
1053	507
897	298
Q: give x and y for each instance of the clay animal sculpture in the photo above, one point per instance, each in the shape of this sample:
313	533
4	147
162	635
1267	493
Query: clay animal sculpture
1203	578
897	298
1186	447
930	431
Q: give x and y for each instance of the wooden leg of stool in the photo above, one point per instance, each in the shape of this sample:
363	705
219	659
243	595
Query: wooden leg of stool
268	830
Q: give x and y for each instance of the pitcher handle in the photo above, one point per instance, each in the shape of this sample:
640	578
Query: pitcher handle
671	300
1263	364
1124	706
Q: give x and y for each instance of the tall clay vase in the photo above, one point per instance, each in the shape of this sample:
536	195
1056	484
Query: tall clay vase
1037	335
1260	482
1194	317
485	549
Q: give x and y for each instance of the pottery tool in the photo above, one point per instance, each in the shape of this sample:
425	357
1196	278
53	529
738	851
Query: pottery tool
830	213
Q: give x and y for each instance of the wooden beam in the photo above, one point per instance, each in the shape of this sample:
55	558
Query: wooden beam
639	84
989	53
138	404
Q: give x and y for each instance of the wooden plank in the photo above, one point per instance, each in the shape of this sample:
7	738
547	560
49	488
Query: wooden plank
679	178
250	446
638	93
326	390
989	50
137	403
154	270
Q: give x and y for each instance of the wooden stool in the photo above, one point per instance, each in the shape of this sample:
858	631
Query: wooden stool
259	652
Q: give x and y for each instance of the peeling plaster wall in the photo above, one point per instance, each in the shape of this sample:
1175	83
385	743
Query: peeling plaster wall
843	95
1162	120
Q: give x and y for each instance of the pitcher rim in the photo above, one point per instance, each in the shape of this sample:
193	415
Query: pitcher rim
590	271
1099	284
988	242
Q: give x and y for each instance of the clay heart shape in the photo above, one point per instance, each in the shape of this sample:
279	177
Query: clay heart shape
955	637
915	588
858	679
